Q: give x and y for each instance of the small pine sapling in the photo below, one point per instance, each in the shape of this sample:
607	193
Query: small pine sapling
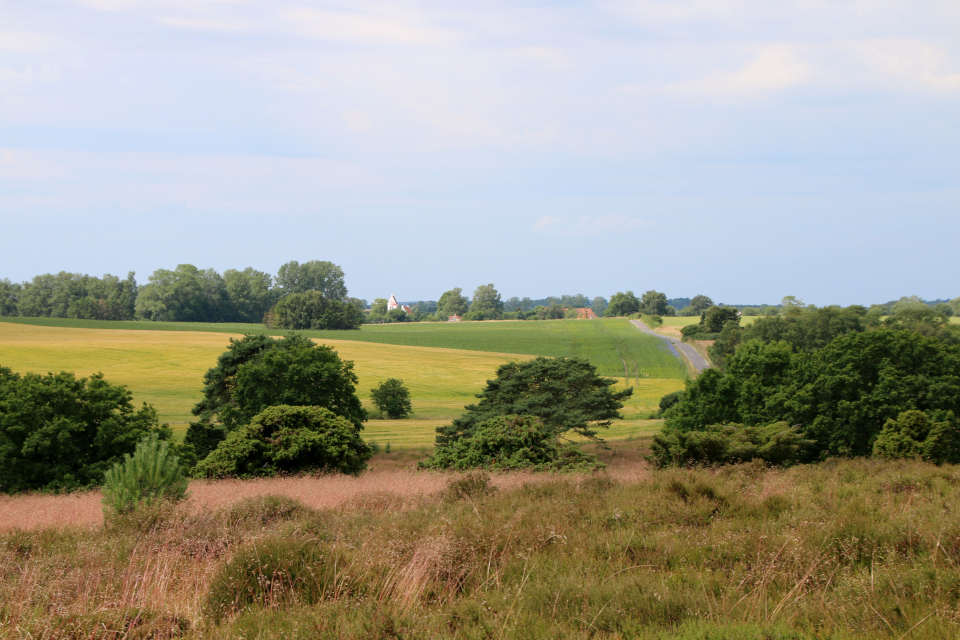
150	475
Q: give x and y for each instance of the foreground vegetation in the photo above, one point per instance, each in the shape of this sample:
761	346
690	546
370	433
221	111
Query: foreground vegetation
841	549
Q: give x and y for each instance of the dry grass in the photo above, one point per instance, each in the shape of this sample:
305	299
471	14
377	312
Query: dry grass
851	549
391	474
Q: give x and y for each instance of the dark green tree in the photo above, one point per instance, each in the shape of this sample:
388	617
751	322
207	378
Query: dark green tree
700	303
250	292
316	275
288	439
599	306
511	443
452	303
714	318
392	398
9	297
60	432
654	303
622	304
314	376
486	303
186	294
565	393
914	434
312	310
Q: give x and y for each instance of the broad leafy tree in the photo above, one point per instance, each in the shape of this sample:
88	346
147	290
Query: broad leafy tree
622	304
316	275
186	294
391	397
486	303
565	393
312	310
60	432
452	303
9	296
260	371
700	303
250	292
599	305
654	303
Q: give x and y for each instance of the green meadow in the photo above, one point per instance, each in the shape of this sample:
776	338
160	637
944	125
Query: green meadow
612	345
165	368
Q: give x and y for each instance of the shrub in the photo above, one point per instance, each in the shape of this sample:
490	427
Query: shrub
60	432
511	443
914	433
473	484
150	475
776	444
285	439
276	572
392	398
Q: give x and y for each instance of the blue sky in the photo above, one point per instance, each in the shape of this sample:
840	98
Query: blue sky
742	149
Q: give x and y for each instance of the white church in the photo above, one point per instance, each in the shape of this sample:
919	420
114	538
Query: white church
393	304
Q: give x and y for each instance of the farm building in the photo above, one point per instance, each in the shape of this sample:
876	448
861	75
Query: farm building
585	312
454	318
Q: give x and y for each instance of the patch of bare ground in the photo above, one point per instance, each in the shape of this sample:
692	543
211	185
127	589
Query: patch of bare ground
392	474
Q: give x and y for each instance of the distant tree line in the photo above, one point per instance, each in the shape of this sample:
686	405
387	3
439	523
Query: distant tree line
301	296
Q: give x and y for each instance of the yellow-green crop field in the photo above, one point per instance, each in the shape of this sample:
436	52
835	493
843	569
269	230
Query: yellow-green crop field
165	369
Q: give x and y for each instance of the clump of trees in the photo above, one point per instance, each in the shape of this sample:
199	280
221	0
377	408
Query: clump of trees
185	294
259	372
841	396
59	432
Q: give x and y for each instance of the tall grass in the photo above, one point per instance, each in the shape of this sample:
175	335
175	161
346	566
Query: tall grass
844	549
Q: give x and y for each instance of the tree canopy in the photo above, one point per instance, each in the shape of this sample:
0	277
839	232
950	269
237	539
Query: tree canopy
565	393
259	371
654	303
840	395
622	304
60	432
315	275
391	397
452	303
313	310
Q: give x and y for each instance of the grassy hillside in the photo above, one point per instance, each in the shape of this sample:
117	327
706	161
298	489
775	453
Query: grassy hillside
166	368
612	345
842	550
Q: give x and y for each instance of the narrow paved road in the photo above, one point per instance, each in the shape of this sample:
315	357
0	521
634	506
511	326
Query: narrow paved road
698	361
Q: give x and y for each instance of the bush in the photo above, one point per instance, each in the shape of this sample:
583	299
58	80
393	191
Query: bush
285	439
914	434
776	444
392	398
60	432
275	573
511	443
150	475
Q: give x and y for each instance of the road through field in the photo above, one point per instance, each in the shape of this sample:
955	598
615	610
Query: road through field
698	361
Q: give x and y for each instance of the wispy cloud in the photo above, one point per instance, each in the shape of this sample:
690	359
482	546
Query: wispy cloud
588	225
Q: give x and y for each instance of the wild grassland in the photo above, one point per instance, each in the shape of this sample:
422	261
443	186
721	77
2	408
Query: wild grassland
166	369
851	549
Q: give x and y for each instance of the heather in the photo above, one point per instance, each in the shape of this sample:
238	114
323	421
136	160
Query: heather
839	549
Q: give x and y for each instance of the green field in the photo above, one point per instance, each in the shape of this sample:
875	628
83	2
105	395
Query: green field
165	369
612	345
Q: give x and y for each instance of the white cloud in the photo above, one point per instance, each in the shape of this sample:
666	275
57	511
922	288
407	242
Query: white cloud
588	225
907	61
775	67
24	41
45	73
375	28
357	120
548	57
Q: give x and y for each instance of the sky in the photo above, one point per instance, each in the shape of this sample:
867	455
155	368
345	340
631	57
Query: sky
742	149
